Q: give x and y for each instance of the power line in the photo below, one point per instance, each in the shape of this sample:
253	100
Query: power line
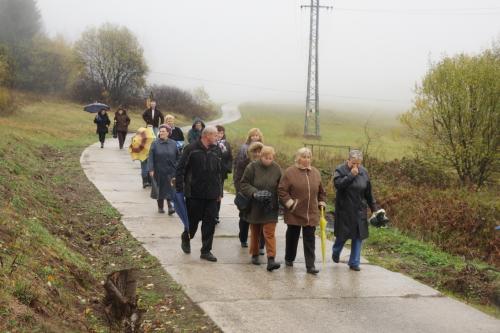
290	91
426	11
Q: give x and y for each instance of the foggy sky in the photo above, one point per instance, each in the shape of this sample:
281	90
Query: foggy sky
256	50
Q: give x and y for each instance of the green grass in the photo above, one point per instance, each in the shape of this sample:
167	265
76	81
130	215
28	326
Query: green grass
283	128
59	238
474	279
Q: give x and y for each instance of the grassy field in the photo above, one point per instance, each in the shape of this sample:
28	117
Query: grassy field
59	238
282	126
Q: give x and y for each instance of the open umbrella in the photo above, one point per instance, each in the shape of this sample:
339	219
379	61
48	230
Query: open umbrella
141	143
322	228
95	107
180	208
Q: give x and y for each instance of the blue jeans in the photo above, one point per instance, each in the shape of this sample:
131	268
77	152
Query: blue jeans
144	168
355	257
155	131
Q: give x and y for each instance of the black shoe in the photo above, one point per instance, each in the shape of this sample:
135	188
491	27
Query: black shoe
244	244
102	145
262	252
208	256
161	211
355	268
289	263
144	182
171	211
185	245
255	260
312	270
272	265
335	258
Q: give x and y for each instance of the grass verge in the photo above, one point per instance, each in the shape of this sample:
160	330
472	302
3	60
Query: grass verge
59	238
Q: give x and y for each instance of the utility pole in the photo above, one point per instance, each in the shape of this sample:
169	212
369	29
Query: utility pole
311	126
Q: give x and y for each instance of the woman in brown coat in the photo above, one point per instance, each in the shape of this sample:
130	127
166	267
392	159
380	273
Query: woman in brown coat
302	194
121	121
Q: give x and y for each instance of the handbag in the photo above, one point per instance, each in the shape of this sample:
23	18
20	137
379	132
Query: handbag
154	189
115	131
242	202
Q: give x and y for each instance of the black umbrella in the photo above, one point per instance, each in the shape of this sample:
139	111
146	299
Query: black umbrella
95	107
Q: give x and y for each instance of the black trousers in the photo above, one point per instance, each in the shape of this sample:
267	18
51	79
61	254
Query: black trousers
121	138
102	137
204	210
292	240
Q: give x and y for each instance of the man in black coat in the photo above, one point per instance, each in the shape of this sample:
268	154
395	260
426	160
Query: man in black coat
152	116
353	197
199	176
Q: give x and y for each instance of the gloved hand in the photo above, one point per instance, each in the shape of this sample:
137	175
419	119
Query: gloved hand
263	196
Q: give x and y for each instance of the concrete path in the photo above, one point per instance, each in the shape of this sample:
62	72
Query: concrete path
241	297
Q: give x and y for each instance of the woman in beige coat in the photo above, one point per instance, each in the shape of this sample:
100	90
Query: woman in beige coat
301	192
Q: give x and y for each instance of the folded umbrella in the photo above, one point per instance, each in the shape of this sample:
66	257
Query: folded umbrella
180	208
95	107
322	229
141	143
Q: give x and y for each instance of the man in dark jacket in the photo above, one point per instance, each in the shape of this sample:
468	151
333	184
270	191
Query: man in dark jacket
199	176
153	117
354	196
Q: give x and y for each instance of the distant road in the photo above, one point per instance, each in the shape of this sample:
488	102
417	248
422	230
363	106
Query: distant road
230	113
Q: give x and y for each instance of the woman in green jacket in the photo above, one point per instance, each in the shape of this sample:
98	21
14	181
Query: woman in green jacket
260	182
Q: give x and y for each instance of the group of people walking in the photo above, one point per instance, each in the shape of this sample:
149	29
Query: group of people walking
199	168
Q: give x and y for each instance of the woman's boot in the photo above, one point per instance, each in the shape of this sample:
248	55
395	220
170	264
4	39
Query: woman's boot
272	265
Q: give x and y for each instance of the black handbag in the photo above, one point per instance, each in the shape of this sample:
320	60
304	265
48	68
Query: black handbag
115	131
242	202
154	189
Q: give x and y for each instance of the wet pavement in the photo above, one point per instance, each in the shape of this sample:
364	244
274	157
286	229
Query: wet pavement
241	297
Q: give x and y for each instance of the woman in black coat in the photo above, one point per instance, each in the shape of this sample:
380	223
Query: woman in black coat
353	197
162	161
227	159
102	121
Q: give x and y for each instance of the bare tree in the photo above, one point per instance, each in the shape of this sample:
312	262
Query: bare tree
113	58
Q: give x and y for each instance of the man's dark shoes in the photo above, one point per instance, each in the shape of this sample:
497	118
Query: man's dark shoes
208	256
171	211
272	265
262	252
255	260
161	211
335	258
289	263
312	270
244	244
355	268
185	245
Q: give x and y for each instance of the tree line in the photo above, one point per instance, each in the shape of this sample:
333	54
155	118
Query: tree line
105	64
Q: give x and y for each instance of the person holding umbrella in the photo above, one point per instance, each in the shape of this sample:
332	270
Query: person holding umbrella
354	195
152	116
102	121
260	182
122	121
162	161
199	177
301	192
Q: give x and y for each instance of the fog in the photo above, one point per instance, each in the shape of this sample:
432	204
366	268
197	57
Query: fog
371	52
